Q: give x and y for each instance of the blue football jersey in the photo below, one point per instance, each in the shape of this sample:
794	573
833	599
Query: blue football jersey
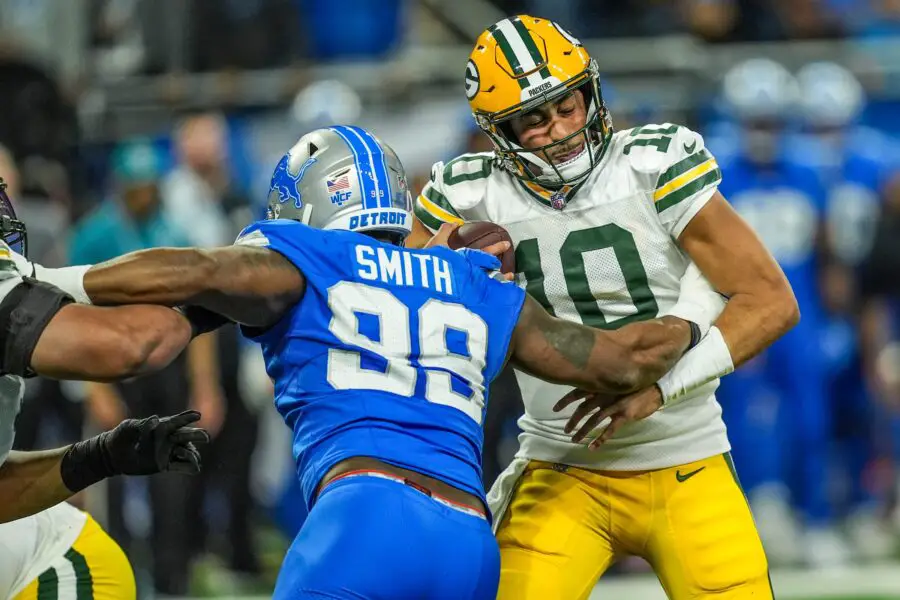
389	354
854	172
784	203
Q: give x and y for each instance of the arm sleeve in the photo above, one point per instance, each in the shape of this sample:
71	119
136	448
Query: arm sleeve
683	177
307	248
454	191
432	206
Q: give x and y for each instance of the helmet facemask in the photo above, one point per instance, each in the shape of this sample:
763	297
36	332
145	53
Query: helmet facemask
533	164
12	230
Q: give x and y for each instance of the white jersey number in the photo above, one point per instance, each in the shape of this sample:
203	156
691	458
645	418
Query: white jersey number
438	362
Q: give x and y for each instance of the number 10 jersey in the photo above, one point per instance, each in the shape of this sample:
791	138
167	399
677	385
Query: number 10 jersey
603	253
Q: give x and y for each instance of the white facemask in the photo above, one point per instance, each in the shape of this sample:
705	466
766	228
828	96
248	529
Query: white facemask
572	171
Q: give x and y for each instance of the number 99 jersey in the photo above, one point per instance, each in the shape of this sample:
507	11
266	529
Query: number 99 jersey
602	253
389	354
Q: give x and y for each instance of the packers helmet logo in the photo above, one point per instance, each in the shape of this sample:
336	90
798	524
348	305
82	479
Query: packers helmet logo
571	38
472	79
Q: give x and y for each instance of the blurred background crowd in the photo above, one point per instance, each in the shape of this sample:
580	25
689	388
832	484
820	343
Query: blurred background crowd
128	124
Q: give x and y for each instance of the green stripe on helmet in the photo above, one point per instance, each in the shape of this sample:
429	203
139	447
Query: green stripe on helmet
511	57
528	41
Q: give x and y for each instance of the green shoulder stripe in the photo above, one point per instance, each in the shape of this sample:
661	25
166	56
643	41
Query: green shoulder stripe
426	218
683	166
468	167
439	200
673	198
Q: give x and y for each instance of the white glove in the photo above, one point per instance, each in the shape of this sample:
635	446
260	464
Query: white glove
697	302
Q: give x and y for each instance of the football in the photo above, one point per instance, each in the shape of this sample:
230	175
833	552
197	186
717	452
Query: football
478	234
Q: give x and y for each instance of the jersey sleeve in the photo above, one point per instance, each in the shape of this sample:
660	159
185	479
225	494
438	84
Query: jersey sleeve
304	246
681	172
455	189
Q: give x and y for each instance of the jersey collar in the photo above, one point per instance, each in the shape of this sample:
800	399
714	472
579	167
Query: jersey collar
559	199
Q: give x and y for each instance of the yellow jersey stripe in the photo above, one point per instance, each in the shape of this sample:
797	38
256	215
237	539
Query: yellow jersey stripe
437	212
684	179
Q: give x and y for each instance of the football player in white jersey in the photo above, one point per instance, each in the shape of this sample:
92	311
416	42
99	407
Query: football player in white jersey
48	548
604	224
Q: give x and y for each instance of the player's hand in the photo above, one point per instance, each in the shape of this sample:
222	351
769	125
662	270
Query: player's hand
154	445
620	410
442	238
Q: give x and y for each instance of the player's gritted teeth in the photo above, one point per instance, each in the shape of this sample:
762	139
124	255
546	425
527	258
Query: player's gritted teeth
564	155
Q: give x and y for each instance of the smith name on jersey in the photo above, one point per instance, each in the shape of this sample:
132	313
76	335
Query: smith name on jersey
604	253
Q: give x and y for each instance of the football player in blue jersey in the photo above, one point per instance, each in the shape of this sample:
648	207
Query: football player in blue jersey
857	165
781	397
382	357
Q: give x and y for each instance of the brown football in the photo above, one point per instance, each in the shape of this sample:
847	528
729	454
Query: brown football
478	234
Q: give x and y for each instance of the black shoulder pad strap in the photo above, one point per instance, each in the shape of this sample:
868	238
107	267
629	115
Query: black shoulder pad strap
24	314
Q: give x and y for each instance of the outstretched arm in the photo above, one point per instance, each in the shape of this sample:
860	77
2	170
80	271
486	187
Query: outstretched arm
615	362
31	482
249	285
34	481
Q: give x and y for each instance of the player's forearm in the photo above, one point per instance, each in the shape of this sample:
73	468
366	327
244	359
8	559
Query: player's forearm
249	285
752	322
168	276
615	362
652	348
31	482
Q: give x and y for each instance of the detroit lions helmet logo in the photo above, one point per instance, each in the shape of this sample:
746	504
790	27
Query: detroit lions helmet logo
285	183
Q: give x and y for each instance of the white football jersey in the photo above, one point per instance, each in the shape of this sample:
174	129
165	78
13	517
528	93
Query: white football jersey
30	546
12	387
603	253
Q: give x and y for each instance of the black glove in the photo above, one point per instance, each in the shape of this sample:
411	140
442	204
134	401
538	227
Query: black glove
135	447
202	320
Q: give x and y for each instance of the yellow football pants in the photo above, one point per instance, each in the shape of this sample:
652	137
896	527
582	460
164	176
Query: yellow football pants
565	526
94	568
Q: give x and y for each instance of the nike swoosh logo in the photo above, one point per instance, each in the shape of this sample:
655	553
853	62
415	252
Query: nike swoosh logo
690	149
682	478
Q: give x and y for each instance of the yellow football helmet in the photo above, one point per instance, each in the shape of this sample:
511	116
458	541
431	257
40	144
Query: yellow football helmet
520	63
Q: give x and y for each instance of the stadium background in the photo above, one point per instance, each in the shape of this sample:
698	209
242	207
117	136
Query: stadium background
132	123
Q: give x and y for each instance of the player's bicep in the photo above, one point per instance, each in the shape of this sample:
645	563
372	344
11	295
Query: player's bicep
252	285
562	352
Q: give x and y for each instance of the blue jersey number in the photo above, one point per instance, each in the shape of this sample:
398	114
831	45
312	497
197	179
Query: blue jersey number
394	343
